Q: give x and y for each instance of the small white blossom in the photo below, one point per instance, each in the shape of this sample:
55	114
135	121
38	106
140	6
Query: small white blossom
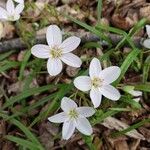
130	90
98	83
11	13
146	42
57	51
73	117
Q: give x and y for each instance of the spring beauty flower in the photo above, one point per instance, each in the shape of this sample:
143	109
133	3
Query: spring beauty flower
73	117
57	51
146	42
11	13
98	83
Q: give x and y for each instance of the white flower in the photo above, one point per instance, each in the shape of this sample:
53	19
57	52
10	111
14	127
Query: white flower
99	82
11	13
130	90
57	51
146	42
73	117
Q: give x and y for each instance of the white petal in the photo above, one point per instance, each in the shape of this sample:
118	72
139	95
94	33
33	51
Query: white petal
10	7
84	126
58	118
96	97
54	66
135	93
95	68
53	36
16	17
67	104
146	43
110	92
41	51
83	83
19	1
19	8
71	60
70	44
3	13
148	30
110	74
85	111
68	129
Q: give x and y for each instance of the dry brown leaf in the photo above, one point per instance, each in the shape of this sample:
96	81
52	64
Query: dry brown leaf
113	123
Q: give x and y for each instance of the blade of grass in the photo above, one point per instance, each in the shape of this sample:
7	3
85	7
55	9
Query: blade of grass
24	63
27	93
99	10
143	87
126	64
24	143
23	128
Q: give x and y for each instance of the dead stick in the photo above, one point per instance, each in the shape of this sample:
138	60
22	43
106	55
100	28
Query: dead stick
18	44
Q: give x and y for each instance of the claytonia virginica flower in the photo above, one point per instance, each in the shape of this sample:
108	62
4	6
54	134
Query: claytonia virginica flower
146	42
11	13
130	90
73	117
98	83
57	51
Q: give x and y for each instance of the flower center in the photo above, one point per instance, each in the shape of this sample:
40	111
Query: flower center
97	82
11	18
73	114
55	52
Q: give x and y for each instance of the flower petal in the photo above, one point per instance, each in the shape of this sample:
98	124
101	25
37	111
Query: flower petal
71	60
58	118
70	44
19	1
10	7
53	36
41	51
95	68
19	8
148	30
83	125
68	129
96	97
110	74
110	92
3	13
146	43
54	66
135	93
67	104
85	111
83	83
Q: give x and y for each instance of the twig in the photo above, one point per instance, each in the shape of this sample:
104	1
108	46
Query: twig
18	44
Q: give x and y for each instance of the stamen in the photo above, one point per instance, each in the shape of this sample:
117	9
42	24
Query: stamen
73	114
55	52
97	82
